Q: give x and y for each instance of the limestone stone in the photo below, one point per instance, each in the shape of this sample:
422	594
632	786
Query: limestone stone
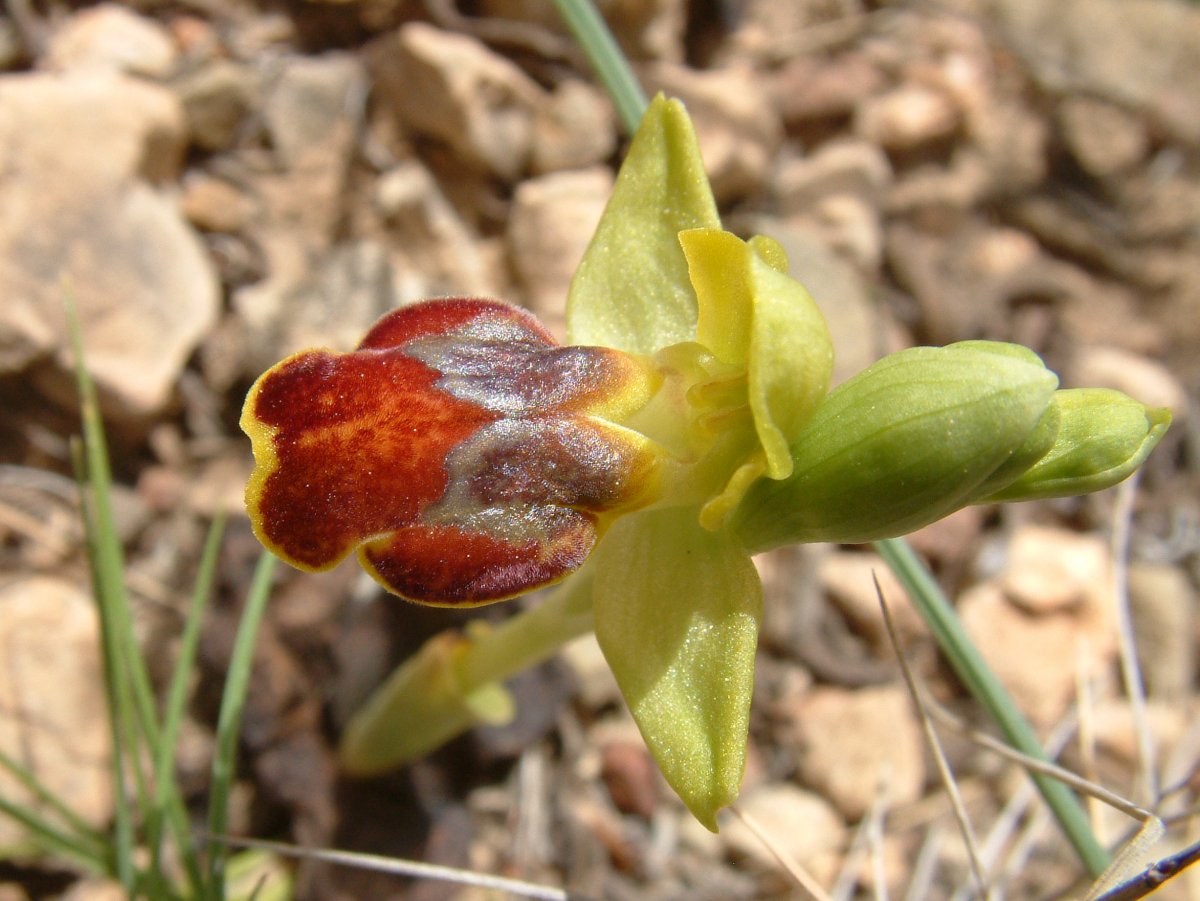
907	117
52	701
552	221
802	822
218	99
1143	53
453	88
1055	627
313	102
111	38
1104	138
78	207
856	745
575	128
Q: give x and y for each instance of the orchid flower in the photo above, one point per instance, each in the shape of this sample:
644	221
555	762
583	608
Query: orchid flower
466	457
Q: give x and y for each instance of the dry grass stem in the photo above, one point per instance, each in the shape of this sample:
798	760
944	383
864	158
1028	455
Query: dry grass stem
791	866
412	869
1127	649
939	755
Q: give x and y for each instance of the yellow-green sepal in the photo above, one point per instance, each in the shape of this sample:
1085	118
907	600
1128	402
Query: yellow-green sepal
1103	436
631	290
677	611
752	314
902	444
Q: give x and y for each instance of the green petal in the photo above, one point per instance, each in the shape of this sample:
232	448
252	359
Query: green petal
677	611
631	290
752	313
902	444
1102	438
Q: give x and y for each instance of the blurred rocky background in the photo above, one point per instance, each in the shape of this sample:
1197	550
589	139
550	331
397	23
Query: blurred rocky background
218	183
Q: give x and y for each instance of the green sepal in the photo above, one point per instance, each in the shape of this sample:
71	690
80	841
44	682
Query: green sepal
677	611
902	444
631	290
1103	436
752	314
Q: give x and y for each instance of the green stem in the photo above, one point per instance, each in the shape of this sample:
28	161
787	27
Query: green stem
453	682
530	637
606	58
979	679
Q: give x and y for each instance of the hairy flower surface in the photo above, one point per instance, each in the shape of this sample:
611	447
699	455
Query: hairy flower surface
463	453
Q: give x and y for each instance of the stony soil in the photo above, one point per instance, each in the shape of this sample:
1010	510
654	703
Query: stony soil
219	183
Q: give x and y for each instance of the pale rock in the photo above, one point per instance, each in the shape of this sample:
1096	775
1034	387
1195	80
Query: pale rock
1163	604
333	306
215	205
1142	54
848	578
217	100
836	287
1051	570
769	29
1011	140
859	747
853	167
314	102
575	128
551	224
597	685
111	38
1040	656
438	252
52	698
77	207
813	87
95	889
907	117
966	275
736	123
1116	730
651	29
838	190
804	825
451	87
1102	137
1143	379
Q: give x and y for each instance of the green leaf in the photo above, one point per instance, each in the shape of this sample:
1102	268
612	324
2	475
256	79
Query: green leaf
903	443
677	611
631	290
1103	436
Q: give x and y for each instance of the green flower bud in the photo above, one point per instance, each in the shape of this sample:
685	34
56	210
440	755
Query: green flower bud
1102	437
905	442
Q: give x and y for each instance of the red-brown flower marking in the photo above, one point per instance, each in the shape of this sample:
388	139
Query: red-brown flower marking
465	455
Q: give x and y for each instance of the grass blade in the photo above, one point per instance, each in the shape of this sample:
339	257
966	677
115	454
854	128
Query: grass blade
606	58
47	835
229	721
31	783
167	804
107	568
